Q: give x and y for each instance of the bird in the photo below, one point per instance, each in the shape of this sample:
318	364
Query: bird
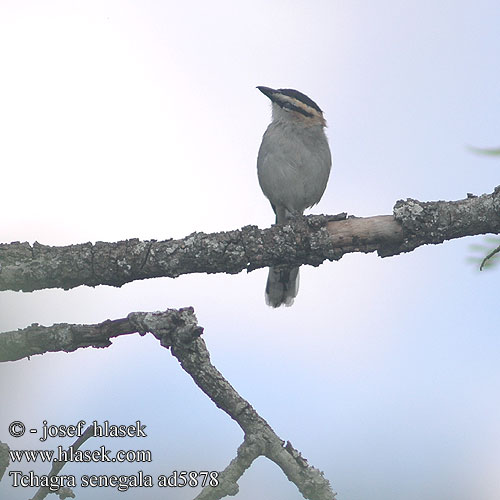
293	167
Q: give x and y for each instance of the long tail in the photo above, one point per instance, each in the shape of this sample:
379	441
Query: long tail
282	286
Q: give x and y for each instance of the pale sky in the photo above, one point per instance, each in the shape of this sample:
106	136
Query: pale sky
123	119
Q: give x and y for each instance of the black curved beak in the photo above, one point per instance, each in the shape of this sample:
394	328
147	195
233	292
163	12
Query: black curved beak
267	91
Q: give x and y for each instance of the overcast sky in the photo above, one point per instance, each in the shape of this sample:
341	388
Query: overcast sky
122	119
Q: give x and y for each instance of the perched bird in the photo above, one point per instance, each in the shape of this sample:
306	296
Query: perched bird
293	167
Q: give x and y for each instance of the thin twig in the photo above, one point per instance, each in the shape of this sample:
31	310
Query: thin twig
489	256
57	466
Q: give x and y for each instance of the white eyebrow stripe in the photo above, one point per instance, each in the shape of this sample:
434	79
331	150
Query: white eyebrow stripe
299	104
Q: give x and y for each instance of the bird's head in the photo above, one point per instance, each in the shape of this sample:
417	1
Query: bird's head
290	104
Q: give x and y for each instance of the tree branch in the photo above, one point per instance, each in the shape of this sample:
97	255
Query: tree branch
36	339
4	458
307	240
249	450
56	468
179	331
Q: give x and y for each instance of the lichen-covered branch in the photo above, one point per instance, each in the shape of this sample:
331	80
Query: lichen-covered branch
189	348
178	330
308	240
37	339
437	221
249	450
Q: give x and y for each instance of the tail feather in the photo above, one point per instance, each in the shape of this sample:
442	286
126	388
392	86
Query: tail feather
282	286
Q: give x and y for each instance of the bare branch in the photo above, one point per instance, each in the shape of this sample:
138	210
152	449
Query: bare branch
36	339
309	240
178	330
4	458
184	340
249	450
56	468
490	255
